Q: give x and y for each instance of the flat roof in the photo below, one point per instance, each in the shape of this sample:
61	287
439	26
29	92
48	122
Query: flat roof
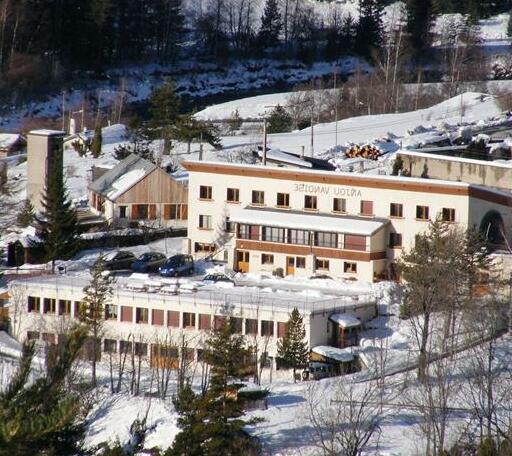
307	221
46	132
237	297
499	164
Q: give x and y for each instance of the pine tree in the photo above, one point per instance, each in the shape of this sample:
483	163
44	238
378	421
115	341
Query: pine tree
57	225
40	416
91	312
293	348
189	129
271	25
26	216
419	23
279	120
369	29
211	424
97	141
164	111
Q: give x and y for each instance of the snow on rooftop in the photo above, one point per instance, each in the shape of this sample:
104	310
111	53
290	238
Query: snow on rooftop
287	219
8	139
499	164
46	132
345	320
342	355
125	182
283	157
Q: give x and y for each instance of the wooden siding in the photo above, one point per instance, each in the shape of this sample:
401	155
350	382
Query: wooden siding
157	187
304	250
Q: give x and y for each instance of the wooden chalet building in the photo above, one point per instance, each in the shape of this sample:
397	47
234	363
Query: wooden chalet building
136	190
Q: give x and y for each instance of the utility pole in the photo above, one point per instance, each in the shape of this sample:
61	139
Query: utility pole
335	115
264	141
63	112
312	147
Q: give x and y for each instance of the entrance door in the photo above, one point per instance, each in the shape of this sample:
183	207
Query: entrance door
290	265
242	259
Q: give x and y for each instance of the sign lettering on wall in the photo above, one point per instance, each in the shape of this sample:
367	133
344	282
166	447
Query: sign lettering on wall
327	190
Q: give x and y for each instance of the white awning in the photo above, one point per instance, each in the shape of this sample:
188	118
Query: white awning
341	355
305	221
345	320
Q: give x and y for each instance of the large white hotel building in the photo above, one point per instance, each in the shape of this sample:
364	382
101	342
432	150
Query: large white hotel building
266	219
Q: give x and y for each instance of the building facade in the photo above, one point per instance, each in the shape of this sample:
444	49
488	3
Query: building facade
136	190
43	308
300	222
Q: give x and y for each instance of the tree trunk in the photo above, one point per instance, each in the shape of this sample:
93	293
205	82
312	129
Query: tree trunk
423	358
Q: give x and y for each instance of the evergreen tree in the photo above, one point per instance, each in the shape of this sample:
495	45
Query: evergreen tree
211	424
57	225
164	111
190	129
509	25
40	416
279	121
369	29
419	23
139	142
293	348
270	29
26	216
97	296
97	141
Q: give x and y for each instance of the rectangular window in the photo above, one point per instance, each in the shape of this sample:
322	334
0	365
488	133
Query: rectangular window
49	305
339	205
329	240
271	234
448	214
300	262
111	311
422	212
125	346
189	320
205	192
141	349
267	328
267	259
122	212
175	211
126	314
110	346
205	222
258	197
395	240
281	328
205	322
33	335
299	237
203	247
396	210
366	207
233	195
236	323
321	264
349	267
141	315
173	318
251	326
355	242
49	338
64	307
310	202
283	200
34	304
157	317
229	226
139	211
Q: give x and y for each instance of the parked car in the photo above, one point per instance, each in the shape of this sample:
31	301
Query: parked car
177	265
149	262
122	259
216	277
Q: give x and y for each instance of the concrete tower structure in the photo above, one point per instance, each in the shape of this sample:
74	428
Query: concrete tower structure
44	160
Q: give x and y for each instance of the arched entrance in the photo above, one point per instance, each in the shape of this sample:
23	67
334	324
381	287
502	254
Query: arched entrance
493	229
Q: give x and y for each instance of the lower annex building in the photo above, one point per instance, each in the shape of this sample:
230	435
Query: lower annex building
287	221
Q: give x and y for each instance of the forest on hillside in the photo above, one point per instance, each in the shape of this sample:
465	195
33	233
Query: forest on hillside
50	41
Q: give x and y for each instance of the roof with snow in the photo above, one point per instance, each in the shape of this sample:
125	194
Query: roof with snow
345	320
7	140
301	220
46	132
341	355
122	177
290	159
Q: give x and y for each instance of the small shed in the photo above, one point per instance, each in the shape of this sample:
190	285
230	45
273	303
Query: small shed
346	329
327	361
11	144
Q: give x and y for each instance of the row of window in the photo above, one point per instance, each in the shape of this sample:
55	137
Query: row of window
321	264
148	212
338	204
189	320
